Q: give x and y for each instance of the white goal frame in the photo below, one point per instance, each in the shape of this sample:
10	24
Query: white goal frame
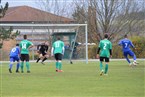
53	26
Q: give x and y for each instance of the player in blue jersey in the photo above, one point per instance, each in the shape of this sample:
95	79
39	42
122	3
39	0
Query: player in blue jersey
126	44
14	56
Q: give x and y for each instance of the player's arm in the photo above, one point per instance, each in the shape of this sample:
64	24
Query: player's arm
32	45
46	48
110	52
132	45
52	50
120	43
63	49
97	56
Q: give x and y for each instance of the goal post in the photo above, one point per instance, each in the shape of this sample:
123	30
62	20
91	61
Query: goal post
52	28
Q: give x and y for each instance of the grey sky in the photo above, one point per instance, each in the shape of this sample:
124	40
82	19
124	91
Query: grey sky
12	3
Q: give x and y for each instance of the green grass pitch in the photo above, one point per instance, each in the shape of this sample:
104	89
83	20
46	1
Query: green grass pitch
77	80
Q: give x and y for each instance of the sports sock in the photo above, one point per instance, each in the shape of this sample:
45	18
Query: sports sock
22	66
57	65
18	65
106	68
28	66
10	66
37	60
44	59
101	66
134	58
60	65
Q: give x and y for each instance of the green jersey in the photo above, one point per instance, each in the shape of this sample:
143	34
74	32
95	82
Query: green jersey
58	47
105	46
24	45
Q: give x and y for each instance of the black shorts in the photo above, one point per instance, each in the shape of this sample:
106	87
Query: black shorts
24	57
106	59
58	56
43	53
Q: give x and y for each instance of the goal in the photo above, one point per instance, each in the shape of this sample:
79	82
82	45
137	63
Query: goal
74	36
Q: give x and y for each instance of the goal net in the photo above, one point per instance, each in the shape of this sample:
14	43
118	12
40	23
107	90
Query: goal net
73	35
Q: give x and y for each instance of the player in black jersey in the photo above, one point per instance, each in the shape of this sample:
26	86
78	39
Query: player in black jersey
42	50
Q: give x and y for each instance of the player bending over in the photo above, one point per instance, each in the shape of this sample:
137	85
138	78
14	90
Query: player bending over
42	50
58	51
14	56
126	43
106	51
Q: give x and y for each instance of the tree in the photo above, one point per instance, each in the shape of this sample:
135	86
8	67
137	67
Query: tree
103	16
6	33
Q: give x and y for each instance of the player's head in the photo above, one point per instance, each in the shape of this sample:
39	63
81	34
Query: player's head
106	36
17	44
58	38
46	43
125	36
25	36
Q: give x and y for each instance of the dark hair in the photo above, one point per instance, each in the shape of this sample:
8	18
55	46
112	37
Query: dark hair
17	44
106	36
125	36
25	36
58	38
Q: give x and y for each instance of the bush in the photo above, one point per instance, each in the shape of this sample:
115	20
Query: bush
138	42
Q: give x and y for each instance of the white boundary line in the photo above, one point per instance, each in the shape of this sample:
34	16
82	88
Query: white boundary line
140	59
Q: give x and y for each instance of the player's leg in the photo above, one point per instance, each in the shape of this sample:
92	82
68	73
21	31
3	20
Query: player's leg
131	53
18	65
59	62
106	65
22	63
45	57
126	57
56	63
101	66
11	64
40	56
27	63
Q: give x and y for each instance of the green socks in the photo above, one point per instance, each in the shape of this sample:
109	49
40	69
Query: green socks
106	68
28	66
22	66
58	65
101	66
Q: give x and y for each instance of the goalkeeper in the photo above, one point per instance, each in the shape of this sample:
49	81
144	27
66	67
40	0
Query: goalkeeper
42	50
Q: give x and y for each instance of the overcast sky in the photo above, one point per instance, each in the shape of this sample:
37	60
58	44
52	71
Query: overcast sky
12	3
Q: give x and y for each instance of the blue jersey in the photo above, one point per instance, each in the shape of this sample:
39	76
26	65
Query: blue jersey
15	51
126	44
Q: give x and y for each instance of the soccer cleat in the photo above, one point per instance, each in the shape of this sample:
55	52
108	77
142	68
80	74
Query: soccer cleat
22	71
28	71
17	71
42	63
130	65
101	73
60	71
135	63
10	70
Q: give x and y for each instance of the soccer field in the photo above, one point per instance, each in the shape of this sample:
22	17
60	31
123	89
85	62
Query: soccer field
77	80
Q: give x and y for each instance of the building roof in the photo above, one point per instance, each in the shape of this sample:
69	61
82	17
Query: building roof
29	14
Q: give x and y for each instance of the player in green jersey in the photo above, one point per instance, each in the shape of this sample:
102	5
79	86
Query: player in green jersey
106	52
58	51
25	45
